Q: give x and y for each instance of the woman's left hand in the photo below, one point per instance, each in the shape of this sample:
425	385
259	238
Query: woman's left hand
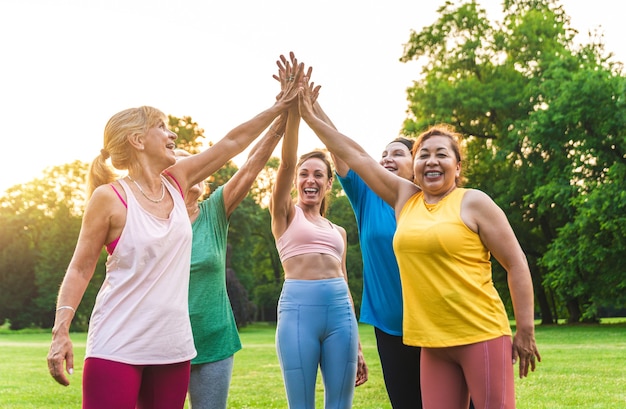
361	369
525	350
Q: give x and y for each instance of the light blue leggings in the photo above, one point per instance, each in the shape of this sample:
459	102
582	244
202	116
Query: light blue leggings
317	326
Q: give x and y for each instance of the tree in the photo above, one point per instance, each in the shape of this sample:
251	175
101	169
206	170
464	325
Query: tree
188	133
17	271
41	221
521	93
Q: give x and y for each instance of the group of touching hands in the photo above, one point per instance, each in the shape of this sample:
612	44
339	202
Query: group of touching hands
296	85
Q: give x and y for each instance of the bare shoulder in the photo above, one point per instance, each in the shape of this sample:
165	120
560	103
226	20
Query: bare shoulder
406	190
106	200
340	229
107	192
477	198
478	208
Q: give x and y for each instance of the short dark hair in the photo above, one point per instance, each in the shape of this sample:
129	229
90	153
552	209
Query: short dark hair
405	141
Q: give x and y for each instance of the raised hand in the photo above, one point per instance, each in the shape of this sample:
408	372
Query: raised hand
288	73
308	93
289	80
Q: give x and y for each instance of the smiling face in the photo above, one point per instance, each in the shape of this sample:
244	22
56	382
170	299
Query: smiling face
159	141
437	166
312	181
397	159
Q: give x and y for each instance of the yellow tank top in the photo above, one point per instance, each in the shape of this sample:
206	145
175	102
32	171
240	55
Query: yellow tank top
447	287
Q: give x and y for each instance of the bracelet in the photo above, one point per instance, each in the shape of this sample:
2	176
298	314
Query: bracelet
66	307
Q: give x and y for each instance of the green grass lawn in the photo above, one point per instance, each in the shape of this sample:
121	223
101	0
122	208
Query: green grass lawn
584	366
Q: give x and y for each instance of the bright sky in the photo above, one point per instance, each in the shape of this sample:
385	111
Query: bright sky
69	65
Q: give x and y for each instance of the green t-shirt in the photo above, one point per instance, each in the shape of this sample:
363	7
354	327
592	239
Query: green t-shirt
212	321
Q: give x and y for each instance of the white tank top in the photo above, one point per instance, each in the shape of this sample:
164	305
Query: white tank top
141	311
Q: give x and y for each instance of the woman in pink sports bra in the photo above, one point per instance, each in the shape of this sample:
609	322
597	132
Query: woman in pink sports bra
140	344
316	321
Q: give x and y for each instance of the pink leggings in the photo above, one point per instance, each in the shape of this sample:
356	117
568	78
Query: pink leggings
484	370
109	384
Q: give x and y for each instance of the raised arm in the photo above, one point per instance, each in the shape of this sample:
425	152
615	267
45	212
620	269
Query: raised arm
281	202
201	166
236	189
341	167
393	189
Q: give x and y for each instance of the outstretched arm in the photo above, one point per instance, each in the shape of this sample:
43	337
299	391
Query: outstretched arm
236	189
281	203
391	188
201	166
341	167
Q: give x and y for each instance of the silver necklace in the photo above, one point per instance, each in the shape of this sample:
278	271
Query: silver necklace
144	193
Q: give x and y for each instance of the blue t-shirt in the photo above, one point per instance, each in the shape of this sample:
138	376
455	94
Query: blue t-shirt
381	305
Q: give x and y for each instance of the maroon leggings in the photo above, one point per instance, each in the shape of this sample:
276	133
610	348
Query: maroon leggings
484	370
109	384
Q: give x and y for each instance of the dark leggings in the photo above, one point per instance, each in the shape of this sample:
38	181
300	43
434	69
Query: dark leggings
109	384
401	370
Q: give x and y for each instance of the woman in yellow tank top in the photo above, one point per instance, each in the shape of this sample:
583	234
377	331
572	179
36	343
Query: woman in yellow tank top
444	240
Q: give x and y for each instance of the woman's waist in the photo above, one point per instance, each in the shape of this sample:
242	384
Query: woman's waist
315	292
312	266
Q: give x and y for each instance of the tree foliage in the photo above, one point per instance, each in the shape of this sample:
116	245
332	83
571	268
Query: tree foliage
188	131
40	223
544	125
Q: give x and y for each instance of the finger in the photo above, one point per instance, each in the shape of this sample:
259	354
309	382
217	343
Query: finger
515	356
282	63
523	368
69	363
56	370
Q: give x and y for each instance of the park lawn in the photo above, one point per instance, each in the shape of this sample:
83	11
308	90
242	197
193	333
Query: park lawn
583	366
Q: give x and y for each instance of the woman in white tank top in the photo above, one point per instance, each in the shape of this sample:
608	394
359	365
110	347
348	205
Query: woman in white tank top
139	342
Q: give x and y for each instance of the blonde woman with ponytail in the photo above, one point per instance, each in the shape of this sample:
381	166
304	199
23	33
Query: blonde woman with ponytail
139	343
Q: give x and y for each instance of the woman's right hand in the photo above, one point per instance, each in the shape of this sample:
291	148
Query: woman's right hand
306	98
61	351
290	76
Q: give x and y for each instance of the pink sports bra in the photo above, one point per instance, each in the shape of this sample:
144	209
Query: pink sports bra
303	237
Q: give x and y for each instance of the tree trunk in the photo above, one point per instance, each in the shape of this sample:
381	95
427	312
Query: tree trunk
574	311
